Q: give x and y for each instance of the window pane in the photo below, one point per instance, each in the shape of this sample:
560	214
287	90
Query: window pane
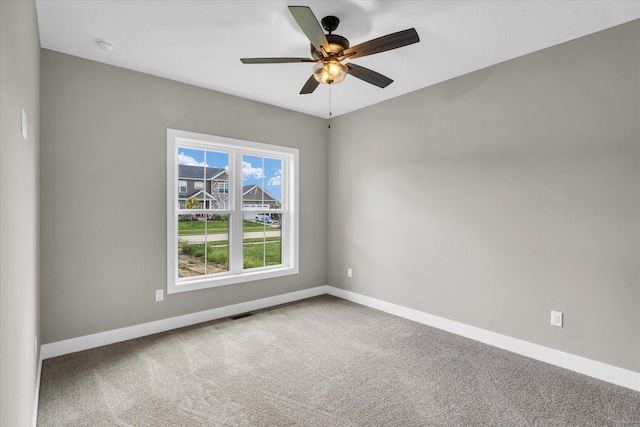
200	173
190	177
217	244
262	241
203	244
261	187
191	246
217	185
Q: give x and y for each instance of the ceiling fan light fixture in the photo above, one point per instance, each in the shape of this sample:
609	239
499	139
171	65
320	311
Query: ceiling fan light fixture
329	72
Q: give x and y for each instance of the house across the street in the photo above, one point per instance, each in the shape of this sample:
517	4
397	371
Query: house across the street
212	190
210	186
256	197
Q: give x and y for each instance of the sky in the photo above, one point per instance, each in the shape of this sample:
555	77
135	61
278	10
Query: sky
263	171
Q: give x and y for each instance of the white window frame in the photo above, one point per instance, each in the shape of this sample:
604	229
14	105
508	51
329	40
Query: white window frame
195	185
186	186
236	148
224	204
226	184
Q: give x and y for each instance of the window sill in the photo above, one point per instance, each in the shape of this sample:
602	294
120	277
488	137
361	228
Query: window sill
229	279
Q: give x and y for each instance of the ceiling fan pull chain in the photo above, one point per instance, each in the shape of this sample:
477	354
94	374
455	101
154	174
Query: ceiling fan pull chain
330	92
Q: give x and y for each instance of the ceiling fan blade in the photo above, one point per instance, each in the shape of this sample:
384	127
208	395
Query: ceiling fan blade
311	27
368	75
309	86
274	60
382	44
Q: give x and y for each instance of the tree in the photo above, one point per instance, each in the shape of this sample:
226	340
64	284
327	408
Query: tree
192	203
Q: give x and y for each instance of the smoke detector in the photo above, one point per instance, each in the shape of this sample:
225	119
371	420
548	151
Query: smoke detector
105	45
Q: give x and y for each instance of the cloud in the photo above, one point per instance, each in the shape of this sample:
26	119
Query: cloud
275	180
248	170
185	159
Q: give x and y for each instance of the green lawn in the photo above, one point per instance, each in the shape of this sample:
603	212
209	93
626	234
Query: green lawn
255	254
198	227
252	240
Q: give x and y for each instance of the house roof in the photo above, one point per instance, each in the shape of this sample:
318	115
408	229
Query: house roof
246	189
196	172
256	188
200	195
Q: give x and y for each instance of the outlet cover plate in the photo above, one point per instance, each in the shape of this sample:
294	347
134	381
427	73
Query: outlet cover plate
556	318
23	124
159	295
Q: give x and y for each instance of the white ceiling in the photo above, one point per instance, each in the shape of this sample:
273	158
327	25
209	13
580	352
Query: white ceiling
200	42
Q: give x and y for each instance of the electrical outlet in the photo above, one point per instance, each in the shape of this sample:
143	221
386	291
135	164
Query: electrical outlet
556	318
349	272
159	295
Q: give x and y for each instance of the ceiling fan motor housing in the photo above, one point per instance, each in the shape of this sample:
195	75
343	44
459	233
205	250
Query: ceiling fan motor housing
336	45
330	23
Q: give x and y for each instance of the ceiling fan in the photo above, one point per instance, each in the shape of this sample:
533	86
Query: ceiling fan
329	50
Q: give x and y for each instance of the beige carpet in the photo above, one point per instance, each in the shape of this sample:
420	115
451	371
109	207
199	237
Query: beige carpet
320	362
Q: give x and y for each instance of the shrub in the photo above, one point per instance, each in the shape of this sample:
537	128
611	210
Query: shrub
193	249
218	255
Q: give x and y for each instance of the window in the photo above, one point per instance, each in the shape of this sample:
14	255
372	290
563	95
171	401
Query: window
198	185
249	230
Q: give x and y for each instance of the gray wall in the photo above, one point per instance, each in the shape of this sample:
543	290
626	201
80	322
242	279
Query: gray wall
489	199
103	208
19	288
495	197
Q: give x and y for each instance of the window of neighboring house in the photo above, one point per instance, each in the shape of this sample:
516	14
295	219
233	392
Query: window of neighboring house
231	241
182	186
198	185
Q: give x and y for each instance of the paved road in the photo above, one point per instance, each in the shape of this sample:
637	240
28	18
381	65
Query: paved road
224	236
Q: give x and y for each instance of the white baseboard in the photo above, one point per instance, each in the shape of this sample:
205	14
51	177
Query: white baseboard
86	342
36	398
592	368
